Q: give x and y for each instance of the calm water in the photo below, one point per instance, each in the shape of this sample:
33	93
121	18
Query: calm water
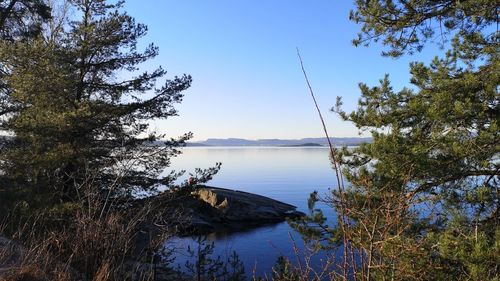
285	174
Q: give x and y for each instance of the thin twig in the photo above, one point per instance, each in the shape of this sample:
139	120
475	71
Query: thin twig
337	167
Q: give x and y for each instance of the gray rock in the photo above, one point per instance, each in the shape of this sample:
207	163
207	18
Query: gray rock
220	208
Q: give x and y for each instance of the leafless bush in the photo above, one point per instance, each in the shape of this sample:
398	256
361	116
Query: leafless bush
92	239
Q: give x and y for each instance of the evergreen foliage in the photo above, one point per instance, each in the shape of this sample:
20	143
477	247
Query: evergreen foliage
19	20
78	110
423	199
406	25
22	18
208	267
81	170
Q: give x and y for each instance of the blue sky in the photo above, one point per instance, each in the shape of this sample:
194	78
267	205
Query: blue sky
247	80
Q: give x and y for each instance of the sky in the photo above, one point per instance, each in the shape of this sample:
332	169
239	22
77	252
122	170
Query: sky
247	80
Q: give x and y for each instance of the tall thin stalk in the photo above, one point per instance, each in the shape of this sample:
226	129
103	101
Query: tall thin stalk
340	182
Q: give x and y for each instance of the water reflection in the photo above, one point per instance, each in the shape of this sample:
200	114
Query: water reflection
285	174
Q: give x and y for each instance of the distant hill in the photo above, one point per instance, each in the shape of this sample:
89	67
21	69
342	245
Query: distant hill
306	142
281	142
309	144
195	144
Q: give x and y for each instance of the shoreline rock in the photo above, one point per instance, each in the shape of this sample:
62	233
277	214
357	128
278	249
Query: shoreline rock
214	208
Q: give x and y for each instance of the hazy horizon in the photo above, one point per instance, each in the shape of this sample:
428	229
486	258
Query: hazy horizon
271	138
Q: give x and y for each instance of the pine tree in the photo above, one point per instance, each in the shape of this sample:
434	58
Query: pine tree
19	20
22	18
80	110
423	199
406	26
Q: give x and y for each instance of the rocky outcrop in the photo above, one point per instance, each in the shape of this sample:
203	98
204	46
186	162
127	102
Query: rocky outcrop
218	208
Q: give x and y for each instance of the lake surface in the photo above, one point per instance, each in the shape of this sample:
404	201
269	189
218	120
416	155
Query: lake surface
282	173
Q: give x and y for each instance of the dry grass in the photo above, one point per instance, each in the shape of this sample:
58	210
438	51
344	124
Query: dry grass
117	244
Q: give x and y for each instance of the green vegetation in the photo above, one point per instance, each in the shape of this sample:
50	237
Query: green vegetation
74	118
77	149
422	201
208	267
423	198
20	19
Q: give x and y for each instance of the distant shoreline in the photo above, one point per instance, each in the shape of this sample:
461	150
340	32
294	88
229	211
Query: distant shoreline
305	142
312	145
